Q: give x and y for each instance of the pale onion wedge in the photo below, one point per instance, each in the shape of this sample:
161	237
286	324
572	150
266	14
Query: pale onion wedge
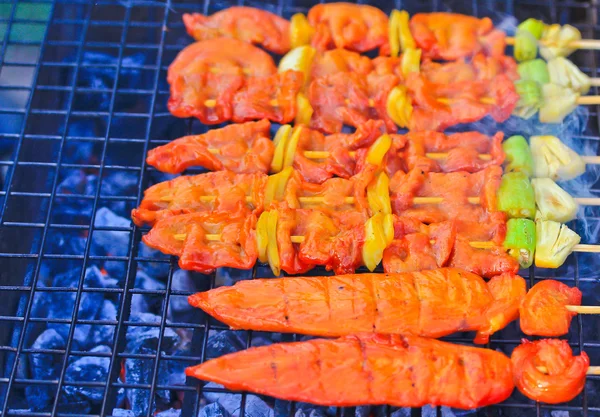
553	203
555	242
558	103
564	72
556	41
555	160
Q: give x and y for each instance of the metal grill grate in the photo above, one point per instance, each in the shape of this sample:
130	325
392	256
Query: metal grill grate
83	95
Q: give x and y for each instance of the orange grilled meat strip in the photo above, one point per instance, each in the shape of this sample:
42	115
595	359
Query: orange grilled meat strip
357	27
247	24
543	312
563	377
451	36
404	371
432	303
242	148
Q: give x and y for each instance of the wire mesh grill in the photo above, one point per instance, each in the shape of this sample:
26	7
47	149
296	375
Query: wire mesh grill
84	93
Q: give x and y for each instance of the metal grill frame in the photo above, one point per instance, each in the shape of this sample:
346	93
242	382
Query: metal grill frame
20	269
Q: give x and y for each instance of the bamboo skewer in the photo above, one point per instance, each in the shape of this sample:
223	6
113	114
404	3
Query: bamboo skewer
584	201
477	245
581	100
593	44
592	160
592	370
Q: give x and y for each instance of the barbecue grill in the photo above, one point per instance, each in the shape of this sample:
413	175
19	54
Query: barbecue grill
92	322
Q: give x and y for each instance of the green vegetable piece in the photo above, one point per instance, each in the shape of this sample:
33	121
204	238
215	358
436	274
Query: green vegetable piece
515	196
534	70
526	39
518	156
520	240
530	98
533	26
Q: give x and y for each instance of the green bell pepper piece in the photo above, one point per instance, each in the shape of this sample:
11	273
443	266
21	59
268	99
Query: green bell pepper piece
520	240
533	26
534	70
530	98
526	39
518	156
515	196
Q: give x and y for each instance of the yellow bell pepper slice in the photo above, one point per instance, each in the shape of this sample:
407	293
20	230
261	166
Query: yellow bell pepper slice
301	32
304	110
406	39
276	184
375	241
272	249
378	194
411	61
394	32
298	59
262	238
399	106
388	228
379	149
280	141
290	149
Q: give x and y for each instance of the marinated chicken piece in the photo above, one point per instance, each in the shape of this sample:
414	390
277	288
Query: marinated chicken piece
272	97
186	236
357	27
241	148
246	24
430	303
563	375
234	193
544	311
451	36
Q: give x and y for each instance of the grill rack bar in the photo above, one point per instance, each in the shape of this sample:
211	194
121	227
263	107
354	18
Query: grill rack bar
39	254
